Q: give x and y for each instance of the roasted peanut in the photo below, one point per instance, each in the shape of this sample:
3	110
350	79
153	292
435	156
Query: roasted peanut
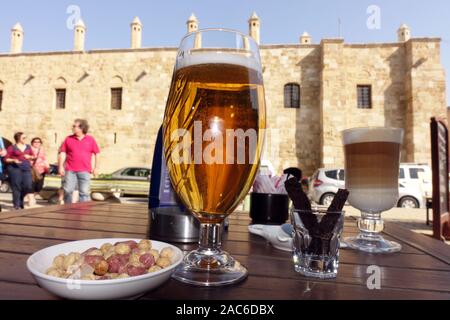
155	254
58	262
54	273
122	248
101	268
106	248
95	252
167	253
163	262
154	269
145	245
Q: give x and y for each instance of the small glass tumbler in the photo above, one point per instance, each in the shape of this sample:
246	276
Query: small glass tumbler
317	236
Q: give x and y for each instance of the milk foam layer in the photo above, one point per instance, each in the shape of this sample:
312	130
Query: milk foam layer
361	135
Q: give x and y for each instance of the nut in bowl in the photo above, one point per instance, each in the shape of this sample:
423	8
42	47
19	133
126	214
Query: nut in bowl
104	268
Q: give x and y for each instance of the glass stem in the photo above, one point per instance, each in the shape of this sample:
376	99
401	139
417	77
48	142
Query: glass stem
210	238
371	225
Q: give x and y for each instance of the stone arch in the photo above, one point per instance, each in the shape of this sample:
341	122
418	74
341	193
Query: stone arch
61	82
116	81
365	74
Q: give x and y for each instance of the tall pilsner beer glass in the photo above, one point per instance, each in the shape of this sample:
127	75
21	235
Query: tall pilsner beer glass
213	134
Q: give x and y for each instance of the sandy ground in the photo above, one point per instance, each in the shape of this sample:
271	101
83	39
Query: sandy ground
412	219
6	202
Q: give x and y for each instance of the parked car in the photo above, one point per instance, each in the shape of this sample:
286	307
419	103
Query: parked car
417	176
414	185
410	197
324	184
134	173
132	181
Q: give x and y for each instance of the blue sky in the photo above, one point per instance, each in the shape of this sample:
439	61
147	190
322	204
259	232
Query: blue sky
283	21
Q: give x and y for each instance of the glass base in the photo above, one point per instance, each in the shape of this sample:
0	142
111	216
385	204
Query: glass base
312	266
372	244
207	268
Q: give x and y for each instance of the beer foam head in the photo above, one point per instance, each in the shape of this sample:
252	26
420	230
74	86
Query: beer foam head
361	135
240	58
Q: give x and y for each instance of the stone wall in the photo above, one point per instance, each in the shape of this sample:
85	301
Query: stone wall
408	87
425	87
344	68
292	136
126	136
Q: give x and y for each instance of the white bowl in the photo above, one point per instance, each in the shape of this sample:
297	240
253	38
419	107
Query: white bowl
131	287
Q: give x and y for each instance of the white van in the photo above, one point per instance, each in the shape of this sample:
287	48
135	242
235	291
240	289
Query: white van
418	179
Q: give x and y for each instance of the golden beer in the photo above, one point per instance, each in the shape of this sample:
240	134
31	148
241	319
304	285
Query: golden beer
210	102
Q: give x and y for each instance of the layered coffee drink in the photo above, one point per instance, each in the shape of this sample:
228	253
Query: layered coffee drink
372	157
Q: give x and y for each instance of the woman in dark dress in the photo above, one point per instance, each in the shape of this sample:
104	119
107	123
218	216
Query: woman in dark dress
18	158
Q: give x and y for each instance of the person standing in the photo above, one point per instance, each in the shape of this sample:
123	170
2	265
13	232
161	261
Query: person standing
75	195
18	157
40	166
75	161
2	154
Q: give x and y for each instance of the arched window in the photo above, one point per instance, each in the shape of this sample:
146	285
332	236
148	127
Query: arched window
116	92
292	96
60	93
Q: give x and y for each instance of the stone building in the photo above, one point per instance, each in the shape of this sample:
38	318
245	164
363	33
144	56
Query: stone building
313	92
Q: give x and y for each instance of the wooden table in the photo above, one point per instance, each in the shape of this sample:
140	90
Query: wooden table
420	271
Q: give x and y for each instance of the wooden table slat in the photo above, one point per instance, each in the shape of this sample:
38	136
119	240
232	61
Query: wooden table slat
14	270
421	271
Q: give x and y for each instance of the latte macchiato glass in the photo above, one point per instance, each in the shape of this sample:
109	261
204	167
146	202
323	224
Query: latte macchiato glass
372	161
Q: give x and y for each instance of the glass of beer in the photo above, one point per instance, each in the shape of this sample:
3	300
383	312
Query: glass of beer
372	161
213	135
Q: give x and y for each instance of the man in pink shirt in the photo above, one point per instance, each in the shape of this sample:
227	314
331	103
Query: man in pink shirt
75	161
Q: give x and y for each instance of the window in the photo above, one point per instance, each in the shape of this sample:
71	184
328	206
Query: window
116	98
332	174
143	173
292	96
342	175
1	99
414	173
364	97
131	172
136	172
60	98
402	174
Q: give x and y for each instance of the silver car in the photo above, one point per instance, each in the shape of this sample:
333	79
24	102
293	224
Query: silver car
132	173
324	184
